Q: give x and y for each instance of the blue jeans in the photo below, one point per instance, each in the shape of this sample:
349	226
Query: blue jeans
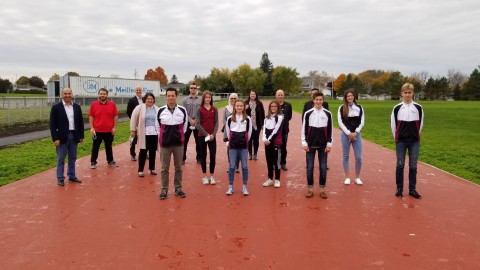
413	150
70	148
322	160
357	151
235	155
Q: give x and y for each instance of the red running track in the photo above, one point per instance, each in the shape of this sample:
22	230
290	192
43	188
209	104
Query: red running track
115	220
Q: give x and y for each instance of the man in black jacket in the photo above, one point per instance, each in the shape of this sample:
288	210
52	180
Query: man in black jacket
132	103
287	113
67	130
309	104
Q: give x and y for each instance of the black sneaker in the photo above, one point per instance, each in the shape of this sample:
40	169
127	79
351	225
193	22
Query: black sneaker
163	194
414	194
399	193
61	183
75	180
180	193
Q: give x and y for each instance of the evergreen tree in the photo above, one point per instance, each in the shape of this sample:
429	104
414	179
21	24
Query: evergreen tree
267	67
471	89
174	79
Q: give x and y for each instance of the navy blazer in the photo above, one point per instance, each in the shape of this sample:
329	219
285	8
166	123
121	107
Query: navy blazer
59	123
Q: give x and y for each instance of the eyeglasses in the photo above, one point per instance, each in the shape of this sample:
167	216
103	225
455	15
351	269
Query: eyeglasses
233	98
193	88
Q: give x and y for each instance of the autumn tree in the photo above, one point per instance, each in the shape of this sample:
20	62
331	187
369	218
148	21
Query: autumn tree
267	66
158	74
286	78
23	80
244	79
337	83
174	79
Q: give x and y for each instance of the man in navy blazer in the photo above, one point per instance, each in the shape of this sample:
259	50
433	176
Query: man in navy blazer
67	130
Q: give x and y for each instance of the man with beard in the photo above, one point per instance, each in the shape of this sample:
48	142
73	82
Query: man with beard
103	119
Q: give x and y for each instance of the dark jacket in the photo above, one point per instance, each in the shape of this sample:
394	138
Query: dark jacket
259	113
59	123
287	113
132	103
309	104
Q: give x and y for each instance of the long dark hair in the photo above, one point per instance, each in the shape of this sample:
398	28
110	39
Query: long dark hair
256	96
345	103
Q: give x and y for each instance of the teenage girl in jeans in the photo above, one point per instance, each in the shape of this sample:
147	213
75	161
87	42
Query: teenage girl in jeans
351	119
239	130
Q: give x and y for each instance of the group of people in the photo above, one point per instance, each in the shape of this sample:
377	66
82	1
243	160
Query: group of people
167	129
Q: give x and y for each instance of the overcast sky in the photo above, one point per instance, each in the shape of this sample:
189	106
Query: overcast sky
190	37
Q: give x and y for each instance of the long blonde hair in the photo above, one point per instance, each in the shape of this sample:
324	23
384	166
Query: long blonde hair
244	112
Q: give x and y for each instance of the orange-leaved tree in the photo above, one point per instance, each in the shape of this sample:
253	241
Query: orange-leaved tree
157	74
338	82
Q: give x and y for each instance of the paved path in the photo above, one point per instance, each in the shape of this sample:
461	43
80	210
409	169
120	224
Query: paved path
114	220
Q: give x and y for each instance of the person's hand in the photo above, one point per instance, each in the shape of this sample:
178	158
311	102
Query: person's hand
327	149
81	140
56	143
306	148
114	130
193	123
212	137
267	142
133	133
92	131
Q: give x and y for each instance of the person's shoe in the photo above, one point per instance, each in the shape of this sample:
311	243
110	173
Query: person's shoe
309	194
414	194
61	183
277	183
133	158
112	164
284	167
237	170
347	181
250	157
245	191
93	165
358	181
163	194
141	174
399	193
268	183
230	190
205	180
75	180
323	194
180	193
183	162
212	180
255	157
152	172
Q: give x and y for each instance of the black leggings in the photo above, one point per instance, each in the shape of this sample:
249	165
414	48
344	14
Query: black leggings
212	148
151	142
273	155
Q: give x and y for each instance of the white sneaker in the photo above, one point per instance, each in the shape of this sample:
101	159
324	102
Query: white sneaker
347	181
230	190
358	181
205	180
268	183
245	191
277	183
212	180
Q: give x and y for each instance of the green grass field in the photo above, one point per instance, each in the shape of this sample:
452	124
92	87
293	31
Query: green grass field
449	139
